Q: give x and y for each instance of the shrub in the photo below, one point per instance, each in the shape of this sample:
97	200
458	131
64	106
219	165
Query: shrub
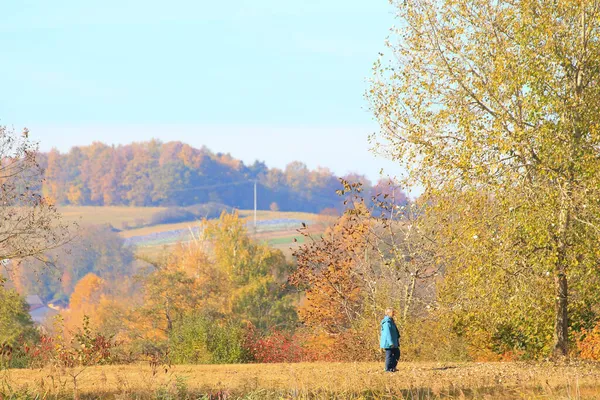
353	345
276	347
281	346
87	347
188	342
33	354
226	343
204	339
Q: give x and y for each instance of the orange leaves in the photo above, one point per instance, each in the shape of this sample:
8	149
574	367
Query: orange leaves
588	344
326	271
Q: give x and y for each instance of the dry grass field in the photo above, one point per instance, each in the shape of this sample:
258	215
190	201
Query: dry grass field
315	380
115	216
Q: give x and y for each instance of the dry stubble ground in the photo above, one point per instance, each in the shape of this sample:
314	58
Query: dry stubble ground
325	380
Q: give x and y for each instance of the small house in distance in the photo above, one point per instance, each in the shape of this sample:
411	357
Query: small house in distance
40	312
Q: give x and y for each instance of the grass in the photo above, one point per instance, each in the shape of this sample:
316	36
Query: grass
286	240
318	380
116	216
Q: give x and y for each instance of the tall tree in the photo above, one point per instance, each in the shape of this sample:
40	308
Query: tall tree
84	301
499	98
54	174
251	274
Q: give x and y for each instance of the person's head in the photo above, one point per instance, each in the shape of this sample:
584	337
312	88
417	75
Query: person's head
389	312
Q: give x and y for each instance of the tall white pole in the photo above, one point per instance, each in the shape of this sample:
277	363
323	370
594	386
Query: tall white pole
255	206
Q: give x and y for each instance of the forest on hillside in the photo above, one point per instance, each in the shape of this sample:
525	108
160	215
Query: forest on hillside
154	173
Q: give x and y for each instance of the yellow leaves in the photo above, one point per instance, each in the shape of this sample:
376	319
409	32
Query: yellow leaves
85	291
84	301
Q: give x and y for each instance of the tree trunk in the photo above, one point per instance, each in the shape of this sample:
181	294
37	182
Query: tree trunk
561	322
168	316
410	290
561	325
561	333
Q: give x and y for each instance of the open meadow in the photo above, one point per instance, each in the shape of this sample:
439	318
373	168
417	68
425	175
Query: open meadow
116	216
313	380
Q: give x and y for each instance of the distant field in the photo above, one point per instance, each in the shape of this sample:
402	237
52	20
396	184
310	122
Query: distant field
316	381
115	216
138	215
277	228
286	240
245	215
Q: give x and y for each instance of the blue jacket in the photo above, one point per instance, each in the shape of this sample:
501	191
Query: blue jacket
390	336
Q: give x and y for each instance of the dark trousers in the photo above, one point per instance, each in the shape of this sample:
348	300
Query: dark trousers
391	358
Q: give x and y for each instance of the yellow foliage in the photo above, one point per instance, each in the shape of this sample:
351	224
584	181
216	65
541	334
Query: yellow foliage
84	300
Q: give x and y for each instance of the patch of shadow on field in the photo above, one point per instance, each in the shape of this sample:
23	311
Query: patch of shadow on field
444	368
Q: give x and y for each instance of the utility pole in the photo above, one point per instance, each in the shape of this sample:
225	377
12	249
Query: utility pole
255	206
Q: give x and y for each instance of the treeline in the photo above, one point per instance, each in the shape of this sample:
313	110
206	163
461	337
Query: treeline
175	174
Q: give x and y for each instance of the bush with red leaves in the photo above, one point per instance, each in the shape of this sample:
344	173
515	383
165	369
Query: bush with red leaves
277	346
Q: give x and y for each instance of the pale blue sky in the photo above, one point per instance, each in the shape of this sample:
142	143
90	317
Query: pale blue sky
273	80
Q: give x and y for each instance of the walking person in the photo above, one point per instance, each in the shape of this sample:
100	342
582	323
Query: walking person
390	340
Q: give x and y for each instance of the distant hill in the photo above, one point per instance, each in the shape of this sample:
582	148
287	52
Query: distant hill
175	174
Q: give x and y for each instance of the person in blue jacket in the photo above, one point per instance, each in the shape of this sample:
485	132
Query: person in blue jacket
390	340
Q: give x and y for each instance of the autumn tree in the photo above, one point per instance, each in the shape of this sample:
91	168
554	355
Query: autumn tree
495	101
392	192
253	274
327	273
54	172
370	259
84	301
169	294
31	225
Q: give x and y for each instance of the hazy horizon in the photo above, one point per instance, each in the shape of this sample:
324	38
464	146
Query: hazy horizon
260	80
